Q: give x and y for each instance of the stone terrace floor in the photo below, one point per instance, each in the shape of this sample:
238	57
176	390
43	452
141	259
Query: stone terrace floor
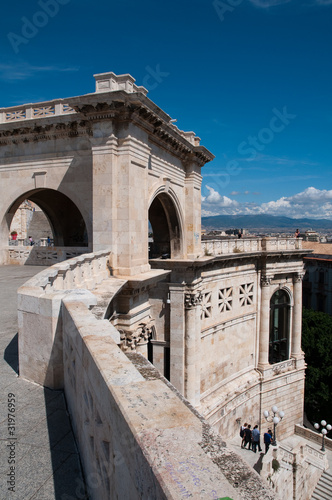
47	465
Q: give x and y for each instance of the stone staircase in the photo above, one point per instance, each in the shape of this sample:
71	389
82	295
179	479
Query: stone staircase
323	490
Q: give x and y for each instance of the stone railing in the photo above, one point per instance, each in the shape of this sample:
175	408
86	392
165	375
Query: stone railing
295	469
313	436
233	245
278	368
32	111
302	451
39	312
41	255
84	271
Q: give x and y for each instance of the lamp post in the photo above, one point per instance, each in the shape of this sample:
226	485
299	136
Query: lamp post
274	419
324	431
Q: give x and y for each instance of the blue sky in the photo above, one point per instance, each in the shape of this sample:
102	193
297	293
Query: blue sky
252	78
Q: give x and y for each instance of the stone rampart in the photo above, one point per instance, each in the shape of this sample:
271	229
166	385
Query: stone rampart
138	438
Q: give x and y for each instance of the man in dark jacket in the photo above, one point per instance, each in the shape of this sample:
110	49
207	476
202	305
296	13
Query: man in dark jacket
247	437
267	440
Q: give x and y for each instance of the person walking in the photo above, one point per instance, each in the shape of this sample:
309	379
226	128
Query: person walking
256	439
247	437
267	440
242	434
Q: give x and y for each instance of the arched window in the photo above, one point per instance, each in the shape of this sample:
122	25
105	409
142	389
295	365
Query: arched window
279	327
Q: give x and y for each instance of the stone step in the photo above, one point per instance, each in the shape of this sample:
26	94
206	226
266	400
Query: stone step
326	485
323	490
326	479
316	496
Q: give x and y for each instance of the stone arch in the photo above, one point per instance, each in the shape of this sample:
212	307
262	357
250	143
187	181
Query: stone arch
67	222
167	225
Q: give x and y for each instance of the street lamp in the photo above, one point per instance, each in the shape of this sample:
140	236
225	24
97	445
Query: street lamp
324	431
275	419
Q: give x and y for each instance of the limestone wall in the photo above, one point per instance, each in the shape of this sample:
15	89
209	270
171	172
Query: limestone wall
287	389
137	437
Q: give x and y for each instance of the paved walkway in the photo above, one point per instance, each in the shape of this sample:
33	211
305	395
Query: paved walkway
46	464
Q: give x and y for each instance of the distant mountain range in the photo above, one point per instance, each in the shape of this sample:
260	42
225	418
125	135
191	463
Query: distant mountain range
266	222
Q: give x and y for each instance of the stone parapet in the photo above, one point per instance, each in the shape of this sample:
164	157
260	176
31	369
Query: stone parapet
227	246
313	436
39	312
125	452
83	271
47	109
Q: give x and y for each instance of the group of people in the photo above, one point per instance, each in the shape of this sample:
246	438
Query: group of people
251	437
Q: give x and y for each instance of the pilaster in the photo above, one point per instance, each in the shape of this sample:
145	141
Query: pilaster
192	304
177	336
263	356
296	351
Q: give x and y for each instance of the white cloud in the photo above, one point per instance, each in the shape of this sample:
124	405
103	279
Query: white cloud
311	203
24	70
216	199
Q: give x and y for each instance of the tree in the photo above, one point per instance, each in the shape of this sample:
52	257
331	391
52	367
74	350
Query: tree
317	346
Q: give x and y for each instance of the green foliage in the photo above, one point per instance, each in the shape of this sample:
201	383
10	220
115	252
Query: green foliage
275	465
317	346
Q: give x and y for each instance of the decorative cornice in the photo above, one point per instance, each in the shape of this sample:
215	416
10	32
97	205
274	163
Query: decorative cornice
56	119
33	132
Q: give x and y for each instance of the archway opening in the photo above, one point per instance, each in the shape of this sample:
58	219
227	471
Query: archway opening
47	214
164	228
279	327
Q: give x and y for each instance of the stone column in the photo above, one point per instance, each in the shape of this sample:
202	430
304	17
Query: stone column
192	346
296	350
264	334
